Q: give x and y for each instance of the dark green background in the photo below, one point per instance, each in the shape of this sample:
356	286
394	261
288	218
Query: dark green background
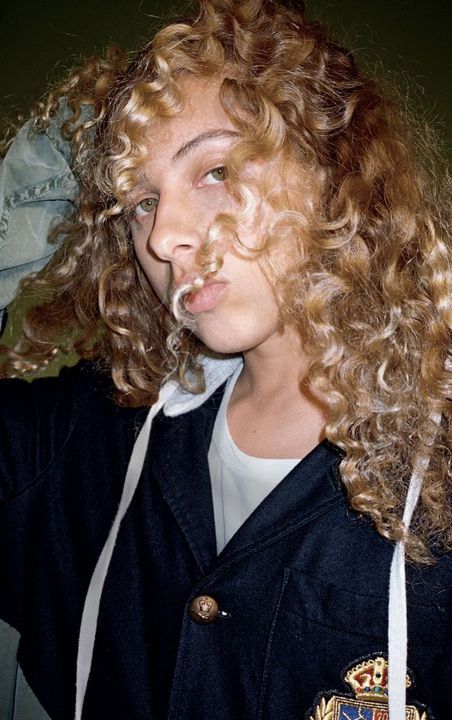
408	39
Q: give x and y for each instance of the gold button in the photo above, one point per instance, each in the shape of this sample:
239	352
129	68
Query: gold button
203	609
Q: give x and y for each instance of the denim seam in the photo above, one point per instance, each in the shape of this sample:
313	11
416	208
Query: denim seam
269	646
64	182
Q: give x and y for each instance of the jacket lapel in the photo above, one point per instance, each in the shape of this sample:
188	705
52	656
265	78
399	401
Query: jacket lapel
178	456
311	488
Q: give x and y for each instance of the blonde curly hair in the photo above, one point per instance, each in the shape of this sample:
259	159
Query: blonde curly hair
370	291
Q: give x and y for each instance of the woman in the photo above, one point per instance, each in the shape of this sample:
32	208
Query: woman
257	251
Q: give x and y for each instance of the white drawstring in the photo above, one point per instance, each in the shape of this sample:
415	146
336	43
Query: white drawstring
397	611
174	401
92	601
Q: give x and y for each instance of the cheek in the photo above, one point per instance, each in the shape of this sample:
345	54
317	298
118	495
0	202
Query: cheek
158	275
157	271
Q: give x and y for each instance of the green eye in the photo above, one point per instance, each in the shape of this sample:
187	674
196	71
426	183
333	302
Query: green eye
219	174
147	205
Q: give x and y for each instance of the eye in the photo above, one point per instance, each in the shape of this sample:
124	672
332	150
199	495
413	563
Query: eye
146	206
217	175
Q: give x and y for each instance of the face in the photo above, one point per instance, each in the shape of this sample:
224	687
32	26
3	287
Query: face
182	192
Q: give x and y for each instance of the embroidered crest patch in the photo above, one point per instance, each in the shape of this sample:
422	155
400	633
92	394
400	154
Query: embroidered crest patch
369	682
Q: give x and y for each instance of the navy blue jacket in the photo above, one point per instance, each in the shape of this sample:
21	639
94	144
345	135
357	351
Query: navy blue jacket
302	586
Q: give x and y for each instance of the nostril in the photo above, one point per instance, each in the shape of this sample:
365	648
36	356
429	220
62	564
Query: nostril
184	249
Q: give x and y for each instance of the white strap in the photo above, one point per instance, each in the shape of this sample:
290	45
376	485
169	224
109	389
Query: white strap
92	601
397	621
215	372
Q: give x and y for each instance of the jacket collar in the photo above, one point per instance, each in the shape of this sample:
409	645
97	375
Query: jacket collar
178	456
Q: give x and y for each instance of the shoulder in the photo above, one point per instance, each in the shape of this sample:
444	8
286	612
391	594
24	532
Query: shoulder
52	397
39	418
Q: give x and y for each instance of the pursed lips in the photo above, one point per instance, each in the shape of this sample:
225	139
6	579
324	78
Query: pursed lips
202	296
207	297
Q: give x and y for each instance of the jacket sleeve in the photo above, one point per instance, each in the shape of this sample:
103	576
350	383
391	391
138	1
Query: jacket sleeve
37	189
37	421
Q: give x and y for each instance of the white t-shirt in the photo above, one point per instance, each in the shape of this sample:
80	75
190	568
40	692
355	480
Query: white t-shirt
239	481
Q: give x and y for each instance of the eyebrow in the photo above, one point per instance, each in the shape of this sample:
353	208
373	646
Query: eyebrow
192	144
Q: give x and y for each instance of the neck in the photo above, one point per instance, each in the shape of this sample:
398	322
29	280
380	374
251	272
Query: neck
271	412
276	368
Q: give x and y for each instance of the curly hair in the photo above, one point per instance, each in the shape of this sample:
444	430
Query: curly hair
370	291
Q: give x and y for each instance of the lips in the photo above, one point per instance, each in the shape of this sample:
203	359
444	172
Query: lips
208	297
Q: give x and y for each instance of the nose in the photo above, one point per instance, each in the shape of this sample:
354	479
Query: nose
177	232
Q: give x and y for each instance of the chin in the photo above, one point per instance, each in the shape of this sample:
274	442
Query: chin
228	335
228	342
221	346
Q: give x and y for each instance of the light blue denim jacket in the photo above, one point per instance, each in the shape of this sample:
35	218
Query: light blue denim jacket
37	189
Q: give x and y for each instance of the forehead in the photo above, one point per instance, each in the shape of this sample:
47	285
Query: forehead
201	111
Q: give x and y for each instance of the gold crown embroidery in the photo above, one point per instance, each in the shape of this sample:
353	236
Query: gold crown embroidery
369	682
